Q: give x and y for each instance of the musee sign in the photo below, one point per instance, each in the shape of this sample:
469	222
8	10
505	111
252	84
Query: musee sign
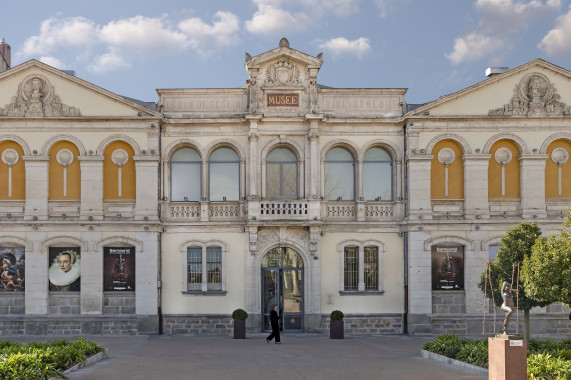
283	100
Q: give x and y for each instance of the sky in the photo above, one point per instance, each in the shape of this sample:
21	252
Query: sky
433	48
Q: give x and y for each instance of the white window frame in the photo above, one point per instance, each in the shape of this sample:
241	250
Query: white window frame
203	245
361	244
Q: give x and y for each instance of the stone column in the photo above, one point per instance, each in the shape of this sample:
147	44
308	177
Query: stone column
91	187
359	184
476	186
532	179
147	187
204	196
420	206
36	292
36	187
313	136
91	276
253	141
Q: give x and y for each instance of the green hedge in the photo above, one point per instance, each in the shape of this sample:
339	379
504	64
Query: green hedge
546	359
43	360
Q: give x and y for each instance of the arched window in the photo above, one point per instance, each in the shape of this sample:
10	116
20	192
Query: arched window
504	171
64	172
339	175
185	175
281	172
13	170
447	171
377	175
224	184
558	170
119	181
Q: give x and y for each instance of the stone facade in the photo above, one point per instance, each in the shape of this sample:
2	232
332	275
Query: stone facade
337	199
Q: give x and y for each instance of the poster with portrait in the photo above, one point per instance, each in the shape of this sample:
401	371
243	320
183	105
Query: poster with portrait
64	273
12	274
119	269
447	267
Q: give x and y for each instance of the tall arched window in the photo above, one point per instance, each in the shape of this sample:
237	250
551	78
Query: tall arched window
447	171
504	170
13	170
339	175
281	172
558	170
377	175
224	183
185	175
64	172
119	177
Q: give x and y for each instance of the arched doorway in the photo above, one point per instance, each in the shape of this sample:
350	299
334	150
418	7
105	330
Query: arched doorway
282	285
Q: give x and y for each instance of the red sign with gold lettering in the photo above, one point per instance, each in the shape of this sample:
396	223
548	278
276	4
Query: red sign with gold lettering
283	100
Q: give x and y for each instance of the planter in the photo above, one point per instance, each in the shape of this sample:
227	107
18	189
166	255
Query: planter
239	329
336	330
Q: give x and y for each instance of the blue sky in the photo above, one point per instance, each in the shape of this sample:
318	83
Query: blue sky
433	48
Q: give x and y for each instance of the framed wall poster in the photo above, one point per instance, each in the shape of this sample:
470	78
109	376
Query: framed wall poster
64	272
119	269
447	267
13	269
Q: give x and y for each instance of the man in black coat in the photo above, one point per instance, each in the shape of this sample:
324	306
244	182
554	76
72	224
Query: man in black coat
274	320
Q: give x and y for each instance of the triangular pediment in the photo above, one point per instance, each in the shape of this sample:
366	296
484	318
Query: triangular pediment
283	81
35	89
535	89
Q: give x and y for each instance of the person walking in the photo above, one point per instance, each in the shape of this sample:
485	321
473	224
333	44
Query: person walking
275	321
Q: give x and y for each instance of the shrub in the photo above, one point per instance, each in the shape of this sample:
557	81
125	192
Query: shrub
545	366
448	345
239	314
474	352
336	315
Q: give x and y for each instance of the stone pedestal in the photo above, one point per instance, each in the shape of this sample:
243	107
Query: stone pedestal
507	358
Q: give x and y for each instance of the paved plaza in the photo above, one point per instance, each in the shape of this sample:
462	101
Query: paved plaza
301	356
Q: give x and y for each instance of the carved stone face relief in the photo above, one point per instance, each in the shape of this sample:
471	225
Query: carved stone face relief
36	97
534	95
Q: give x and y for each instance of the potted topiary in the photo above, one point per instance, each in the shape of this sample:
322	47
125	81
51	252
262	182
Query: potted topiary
336	325
239	316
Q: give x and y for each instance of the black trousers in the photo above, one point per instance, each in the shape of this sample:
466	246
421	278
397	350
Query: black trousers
275	334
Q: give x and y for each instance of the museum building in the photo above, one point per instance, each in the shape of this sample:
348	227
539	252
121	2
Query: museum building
119	216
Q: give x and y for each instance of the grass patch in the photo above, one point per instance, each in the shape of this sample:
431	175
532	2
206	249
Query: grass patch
546	359
43	360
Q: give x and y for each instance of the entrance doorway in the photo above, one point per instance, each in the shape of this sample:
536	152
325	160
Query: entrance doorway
282	285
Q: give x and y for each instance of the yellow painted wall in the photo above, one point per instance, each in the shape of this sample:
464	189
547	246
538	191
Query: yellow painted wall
512	172
111	177
552	172
56	174
18	173
455	173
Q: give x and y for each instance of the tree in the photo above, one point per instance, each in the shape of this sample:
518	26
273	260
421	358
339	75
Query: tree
515	247
547	271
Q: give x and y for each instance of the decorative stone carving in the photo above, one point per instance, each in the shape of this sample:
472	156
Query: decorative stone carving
10	157
284	42
282	74
36	97
446	156
503	156
559	156
533	96
64	157
119	157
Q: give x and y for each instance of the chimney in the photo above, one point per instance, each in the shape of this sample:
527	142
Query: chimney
492	71
4	55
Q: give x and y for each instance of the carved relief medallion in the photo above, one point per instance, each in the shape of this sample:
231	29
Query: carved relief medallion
446	156
503	156
282	74
559	156
36	97
10	157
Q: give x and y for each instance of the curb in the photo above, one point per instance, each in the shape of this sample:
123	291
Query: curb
456	363
90	360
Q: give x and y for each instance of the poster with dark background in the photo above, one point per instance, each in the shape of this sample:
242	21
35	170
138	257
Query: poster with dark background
64	272
447	267
119	269
13	269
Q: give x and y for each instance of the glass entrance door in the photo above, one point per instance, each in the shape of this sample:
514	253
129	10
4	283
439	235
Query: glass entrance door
282	285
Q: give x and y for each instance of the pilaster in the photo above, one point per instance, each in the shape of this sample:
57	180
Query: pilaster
91	186
533	185
36	187
476	185
147	187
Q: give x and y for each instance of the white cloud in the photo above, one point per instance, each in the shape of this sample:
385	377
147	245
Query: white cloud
54	62
143	35
473	47
55	33
268	19
557	41
223	30
110	61
500	24
384	6
340	46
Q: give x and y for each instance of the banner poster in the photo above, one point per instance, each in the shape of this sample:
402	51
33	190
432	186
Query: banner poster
447	267
64	273
119	269
12	274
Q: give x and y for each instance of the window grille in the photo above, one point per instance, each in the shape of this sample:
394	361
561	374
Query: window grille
351	268
214	268
194	257
371	271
